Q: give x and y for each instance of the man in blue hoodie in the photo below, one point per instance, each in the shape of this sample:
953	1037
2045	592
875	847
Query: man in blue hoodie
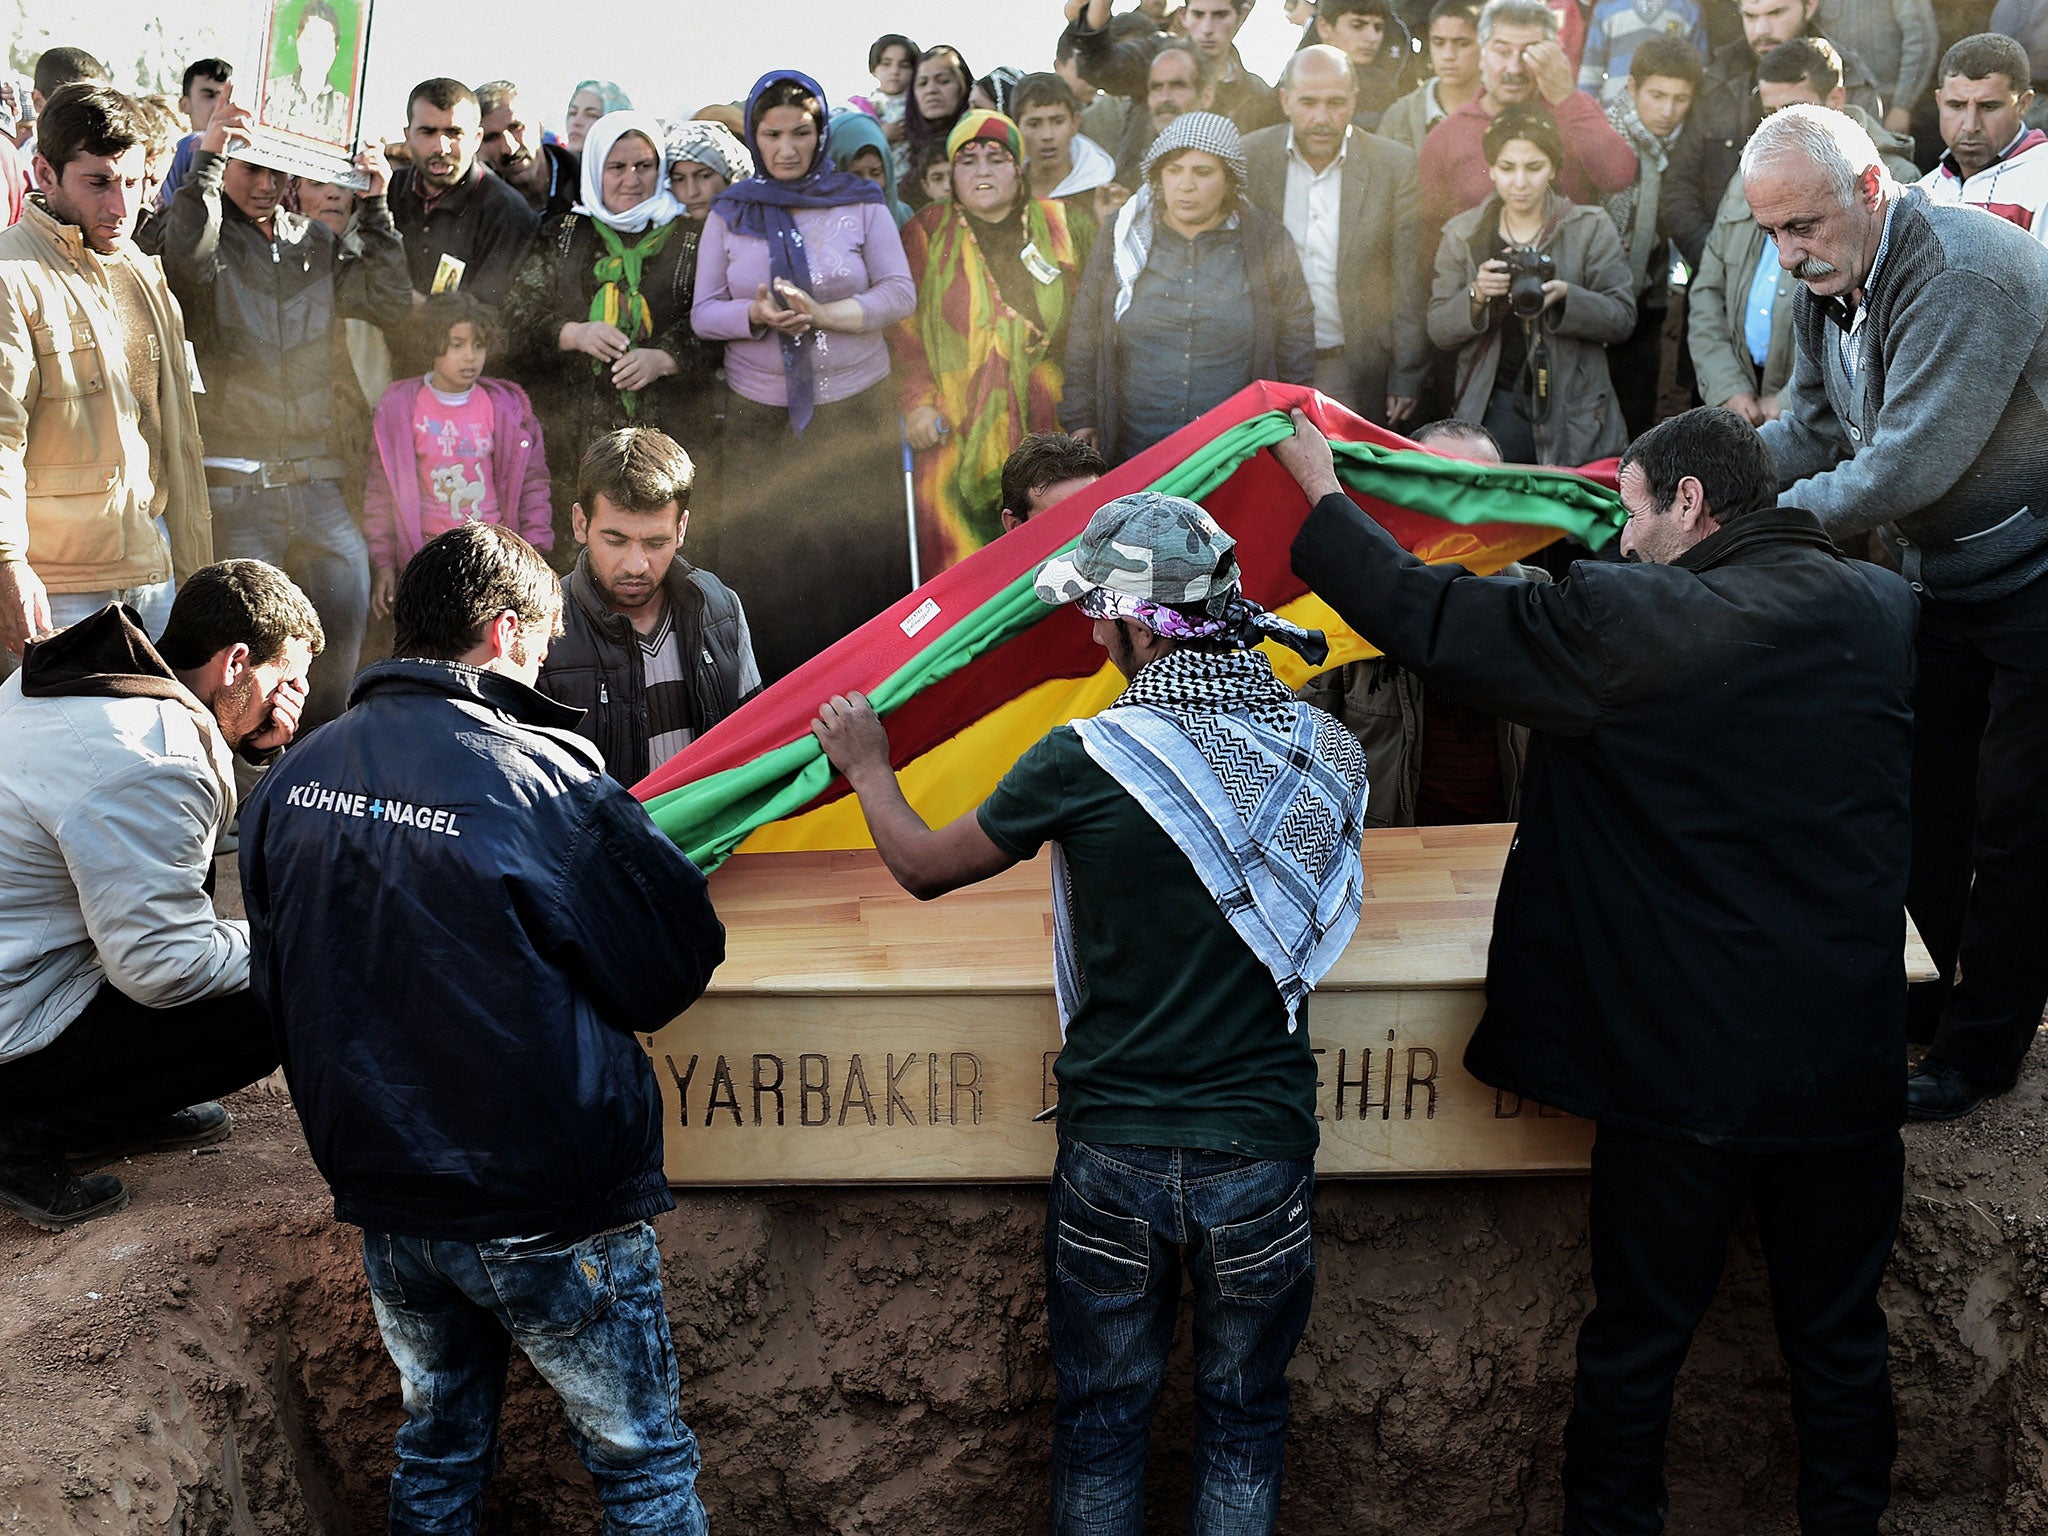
458	923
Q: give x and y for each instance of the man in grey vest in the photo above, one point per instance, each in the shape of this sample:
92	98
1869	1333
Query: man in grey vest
654	650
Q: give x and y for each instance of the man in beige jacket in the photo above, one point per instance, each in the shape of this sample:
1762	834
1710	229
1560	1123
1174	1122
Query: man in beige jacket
102	494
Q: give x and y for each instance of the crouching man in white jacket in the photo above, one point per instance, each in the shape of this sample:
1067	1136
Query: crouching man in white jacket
124	999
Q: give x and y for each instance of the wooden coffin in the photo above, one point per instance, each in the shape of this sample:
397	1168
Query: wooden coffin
856	1035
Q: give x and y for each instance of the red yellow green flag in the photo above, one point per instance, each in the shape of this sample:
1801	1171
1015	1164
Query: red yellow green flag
971	668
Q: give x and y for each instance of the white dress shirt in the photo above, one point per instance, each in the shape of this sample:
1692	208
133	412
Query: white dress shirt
1315	201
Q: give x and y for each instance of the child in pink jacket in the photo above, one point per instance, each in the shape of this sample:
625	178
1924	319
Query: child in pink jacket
451	448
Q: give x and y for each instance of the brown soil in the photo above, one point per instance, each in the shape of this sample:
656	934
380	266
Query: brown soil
875	1360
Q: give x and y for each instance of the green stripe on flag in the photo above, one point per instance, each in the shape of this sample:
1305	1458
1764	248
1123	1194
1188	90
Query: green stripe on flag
714	815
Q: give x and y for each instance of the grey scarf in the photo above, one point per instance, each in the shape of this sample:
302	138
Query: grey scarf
1634	208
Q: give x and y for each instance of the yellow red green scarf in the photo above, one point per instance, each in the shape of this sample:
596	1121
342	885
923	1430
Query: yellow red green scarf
618	300
996	368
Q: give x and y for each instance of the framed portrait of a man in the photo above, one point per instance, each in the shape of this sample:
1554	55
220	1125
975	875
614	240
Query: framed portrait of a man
308	107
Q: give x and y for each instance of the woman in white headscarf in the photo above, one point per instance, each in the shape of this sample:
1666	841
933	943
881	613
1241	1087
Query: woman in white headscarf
600	316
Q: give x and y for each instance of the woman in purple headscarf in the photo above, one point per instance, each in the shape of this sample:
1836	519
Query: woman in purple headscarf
799	273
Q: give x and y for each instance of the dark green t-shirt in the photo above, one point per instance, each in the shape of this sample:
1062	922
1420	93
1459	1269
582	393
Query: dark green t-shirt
1180	1039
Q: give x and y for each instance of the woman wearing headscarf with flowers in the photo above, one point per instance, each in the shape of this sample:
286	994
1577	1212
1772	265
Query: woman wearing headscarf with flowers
801	272
978	367
600	316
1192	293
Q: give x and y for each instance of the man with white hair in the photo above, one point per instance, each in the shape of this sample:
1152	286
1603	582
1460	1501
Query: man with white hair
1916	411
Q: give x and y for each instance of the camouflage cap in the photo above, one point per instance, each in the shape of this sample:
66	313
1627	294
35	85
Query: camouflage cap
1161	549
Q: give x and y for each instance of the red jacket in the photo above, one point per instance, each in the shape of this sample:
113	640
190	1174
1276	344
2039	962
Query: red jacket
519	471
1453	170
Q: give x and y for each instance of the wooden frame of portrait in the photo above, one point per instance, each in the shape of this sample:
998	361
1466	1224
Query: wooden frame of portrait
309	127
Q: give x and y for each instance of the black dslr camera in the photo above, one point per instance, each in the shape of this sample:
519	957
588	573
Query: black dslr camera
1528	270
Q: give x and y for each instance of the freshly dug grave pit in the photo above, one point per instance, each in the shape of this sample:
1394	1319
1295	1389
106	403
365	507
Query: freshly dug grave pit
875	1360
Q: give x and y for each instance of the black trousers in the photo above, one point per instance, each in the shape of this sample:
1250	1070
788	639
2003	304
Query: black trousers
1979	883
120	1065
1662	1212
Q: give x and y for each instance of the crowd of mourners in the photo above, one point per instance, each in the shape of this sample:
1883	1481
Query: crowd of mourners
872	307
524	453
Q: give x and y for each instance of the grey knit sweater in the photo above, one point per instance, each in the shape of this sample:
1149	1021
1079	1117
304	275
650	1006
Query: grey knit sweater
1940	443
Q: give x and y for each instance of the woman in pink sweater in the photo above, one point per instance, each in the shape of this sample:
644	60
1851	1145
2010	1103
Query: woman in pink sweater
799	273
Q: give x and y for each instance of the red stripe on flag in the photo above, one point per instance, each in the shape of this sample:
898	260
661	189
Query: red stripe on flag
1259	505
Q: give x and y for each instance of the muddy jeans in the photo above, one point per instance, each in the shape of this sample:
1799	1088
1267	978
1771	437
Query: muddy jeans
1120	1224
588	1314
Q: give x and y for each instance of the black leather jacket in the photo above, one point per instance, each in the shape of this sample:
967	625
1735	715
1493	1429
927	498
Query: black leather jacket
262	313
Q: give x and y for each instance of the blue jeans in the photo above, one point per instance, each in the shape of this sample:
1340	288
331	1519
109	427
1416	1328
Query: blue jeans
151	602
306	531
589	1316
1120	1224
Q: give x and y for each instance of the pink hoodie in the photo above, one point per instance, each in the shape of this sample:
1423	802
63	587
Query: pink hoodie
519	468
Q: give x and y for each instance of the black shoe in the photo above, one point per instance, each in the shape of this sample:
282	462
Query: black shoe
1937	1091
198	1126
46	1193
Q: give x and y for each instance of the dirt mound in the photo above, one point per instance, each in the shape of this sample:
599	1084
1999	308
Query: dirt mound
205	1361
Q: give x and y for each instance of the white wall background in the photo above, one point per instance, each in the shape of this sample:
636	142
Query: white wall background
671	56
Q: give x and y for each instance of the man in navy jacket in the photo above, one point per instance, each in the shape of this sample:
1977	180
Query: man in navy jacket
458	923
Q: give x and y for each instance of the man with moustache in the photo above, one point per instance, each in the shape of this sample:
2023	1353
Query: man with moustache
74	538
1916	411
264	291
653	650
446	203
1520	61
509	145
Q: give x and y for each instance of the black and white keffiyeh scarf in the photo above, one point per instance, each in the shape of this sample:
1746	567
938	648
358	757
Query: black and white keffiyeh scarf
1266	796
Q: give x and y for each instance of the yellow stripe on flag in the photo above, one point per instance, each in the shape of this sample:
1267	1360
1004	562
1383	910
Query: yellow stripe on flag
958	774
